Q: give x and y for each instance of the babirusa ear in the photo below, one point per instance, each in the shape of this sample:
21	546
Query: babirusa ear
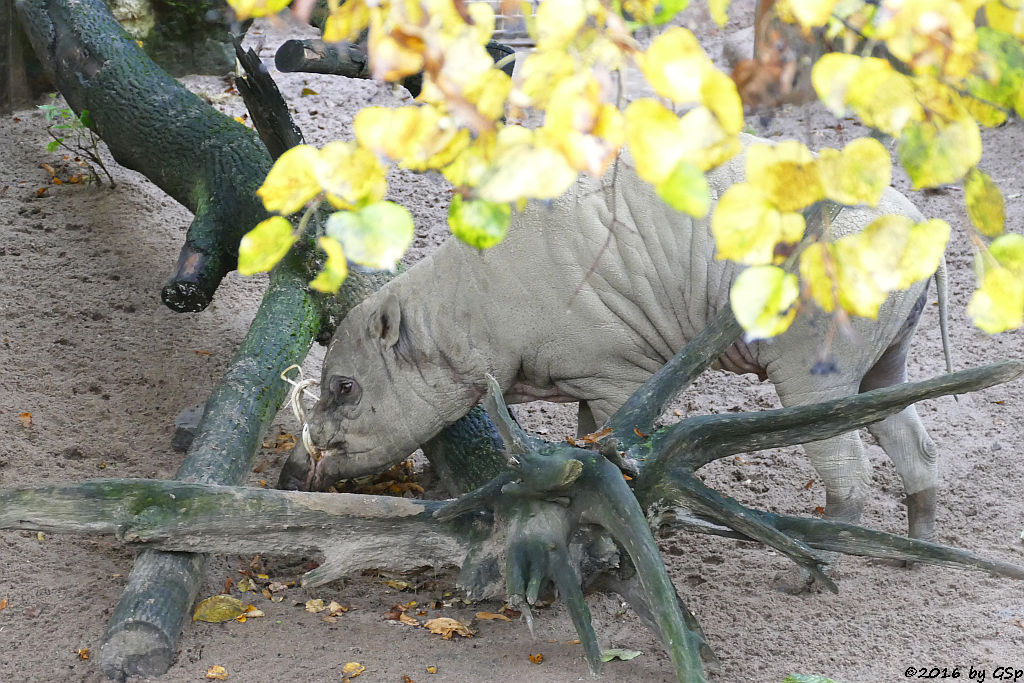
385	322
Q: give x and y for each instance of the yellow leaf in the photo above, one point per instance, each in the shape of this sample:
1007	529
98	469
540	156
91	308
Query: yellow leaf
763	299
654	136
266	244
880	96
998	303
642	11
997	78
471	165
686	189
817	272
218	609
1006	16
557	22
785	174
891	253
217	673
489	92
315	605
335	268
421	137
858	174
483	21
920	247
1008	251
346	21
938	152
719	94
375	236
351	670
523	169
674	65
930	36
719	11
538	71
587	131
446	628
747	227
810	13
350	175
479	223
984	203
659	140
291	181
245	9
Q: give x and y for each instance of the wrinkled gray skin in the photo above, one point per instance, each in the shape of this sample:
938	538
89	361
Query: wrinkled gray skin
413	357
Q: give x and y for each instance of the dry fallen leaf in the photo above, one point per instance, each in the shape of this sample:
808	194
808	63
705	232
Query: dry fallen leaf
41	191
26	419
217	673
316	605
406	619
398	585
219	608
308	91
351	670
536	659
336	609
83	653
3	603
447	627
491	616
431	669
597	436
48	169
407	679
282	442
250	612
246	585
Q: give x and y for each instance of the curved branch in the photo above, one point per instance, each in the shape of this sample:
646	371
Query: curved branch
205	160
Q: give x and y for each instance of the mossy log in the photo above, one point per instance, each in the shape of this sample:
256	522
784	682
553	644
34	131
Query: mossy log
204	159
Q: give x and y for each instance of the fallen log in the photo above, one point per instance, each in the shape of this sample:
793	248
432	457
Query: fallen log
205	160
351	60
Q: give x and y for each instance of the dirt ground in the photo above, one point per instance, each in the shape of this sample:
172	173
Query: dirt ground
104	368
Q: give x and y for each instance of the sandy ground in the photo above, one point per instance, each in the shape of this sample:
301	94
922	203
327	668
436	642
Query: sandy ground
104	368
